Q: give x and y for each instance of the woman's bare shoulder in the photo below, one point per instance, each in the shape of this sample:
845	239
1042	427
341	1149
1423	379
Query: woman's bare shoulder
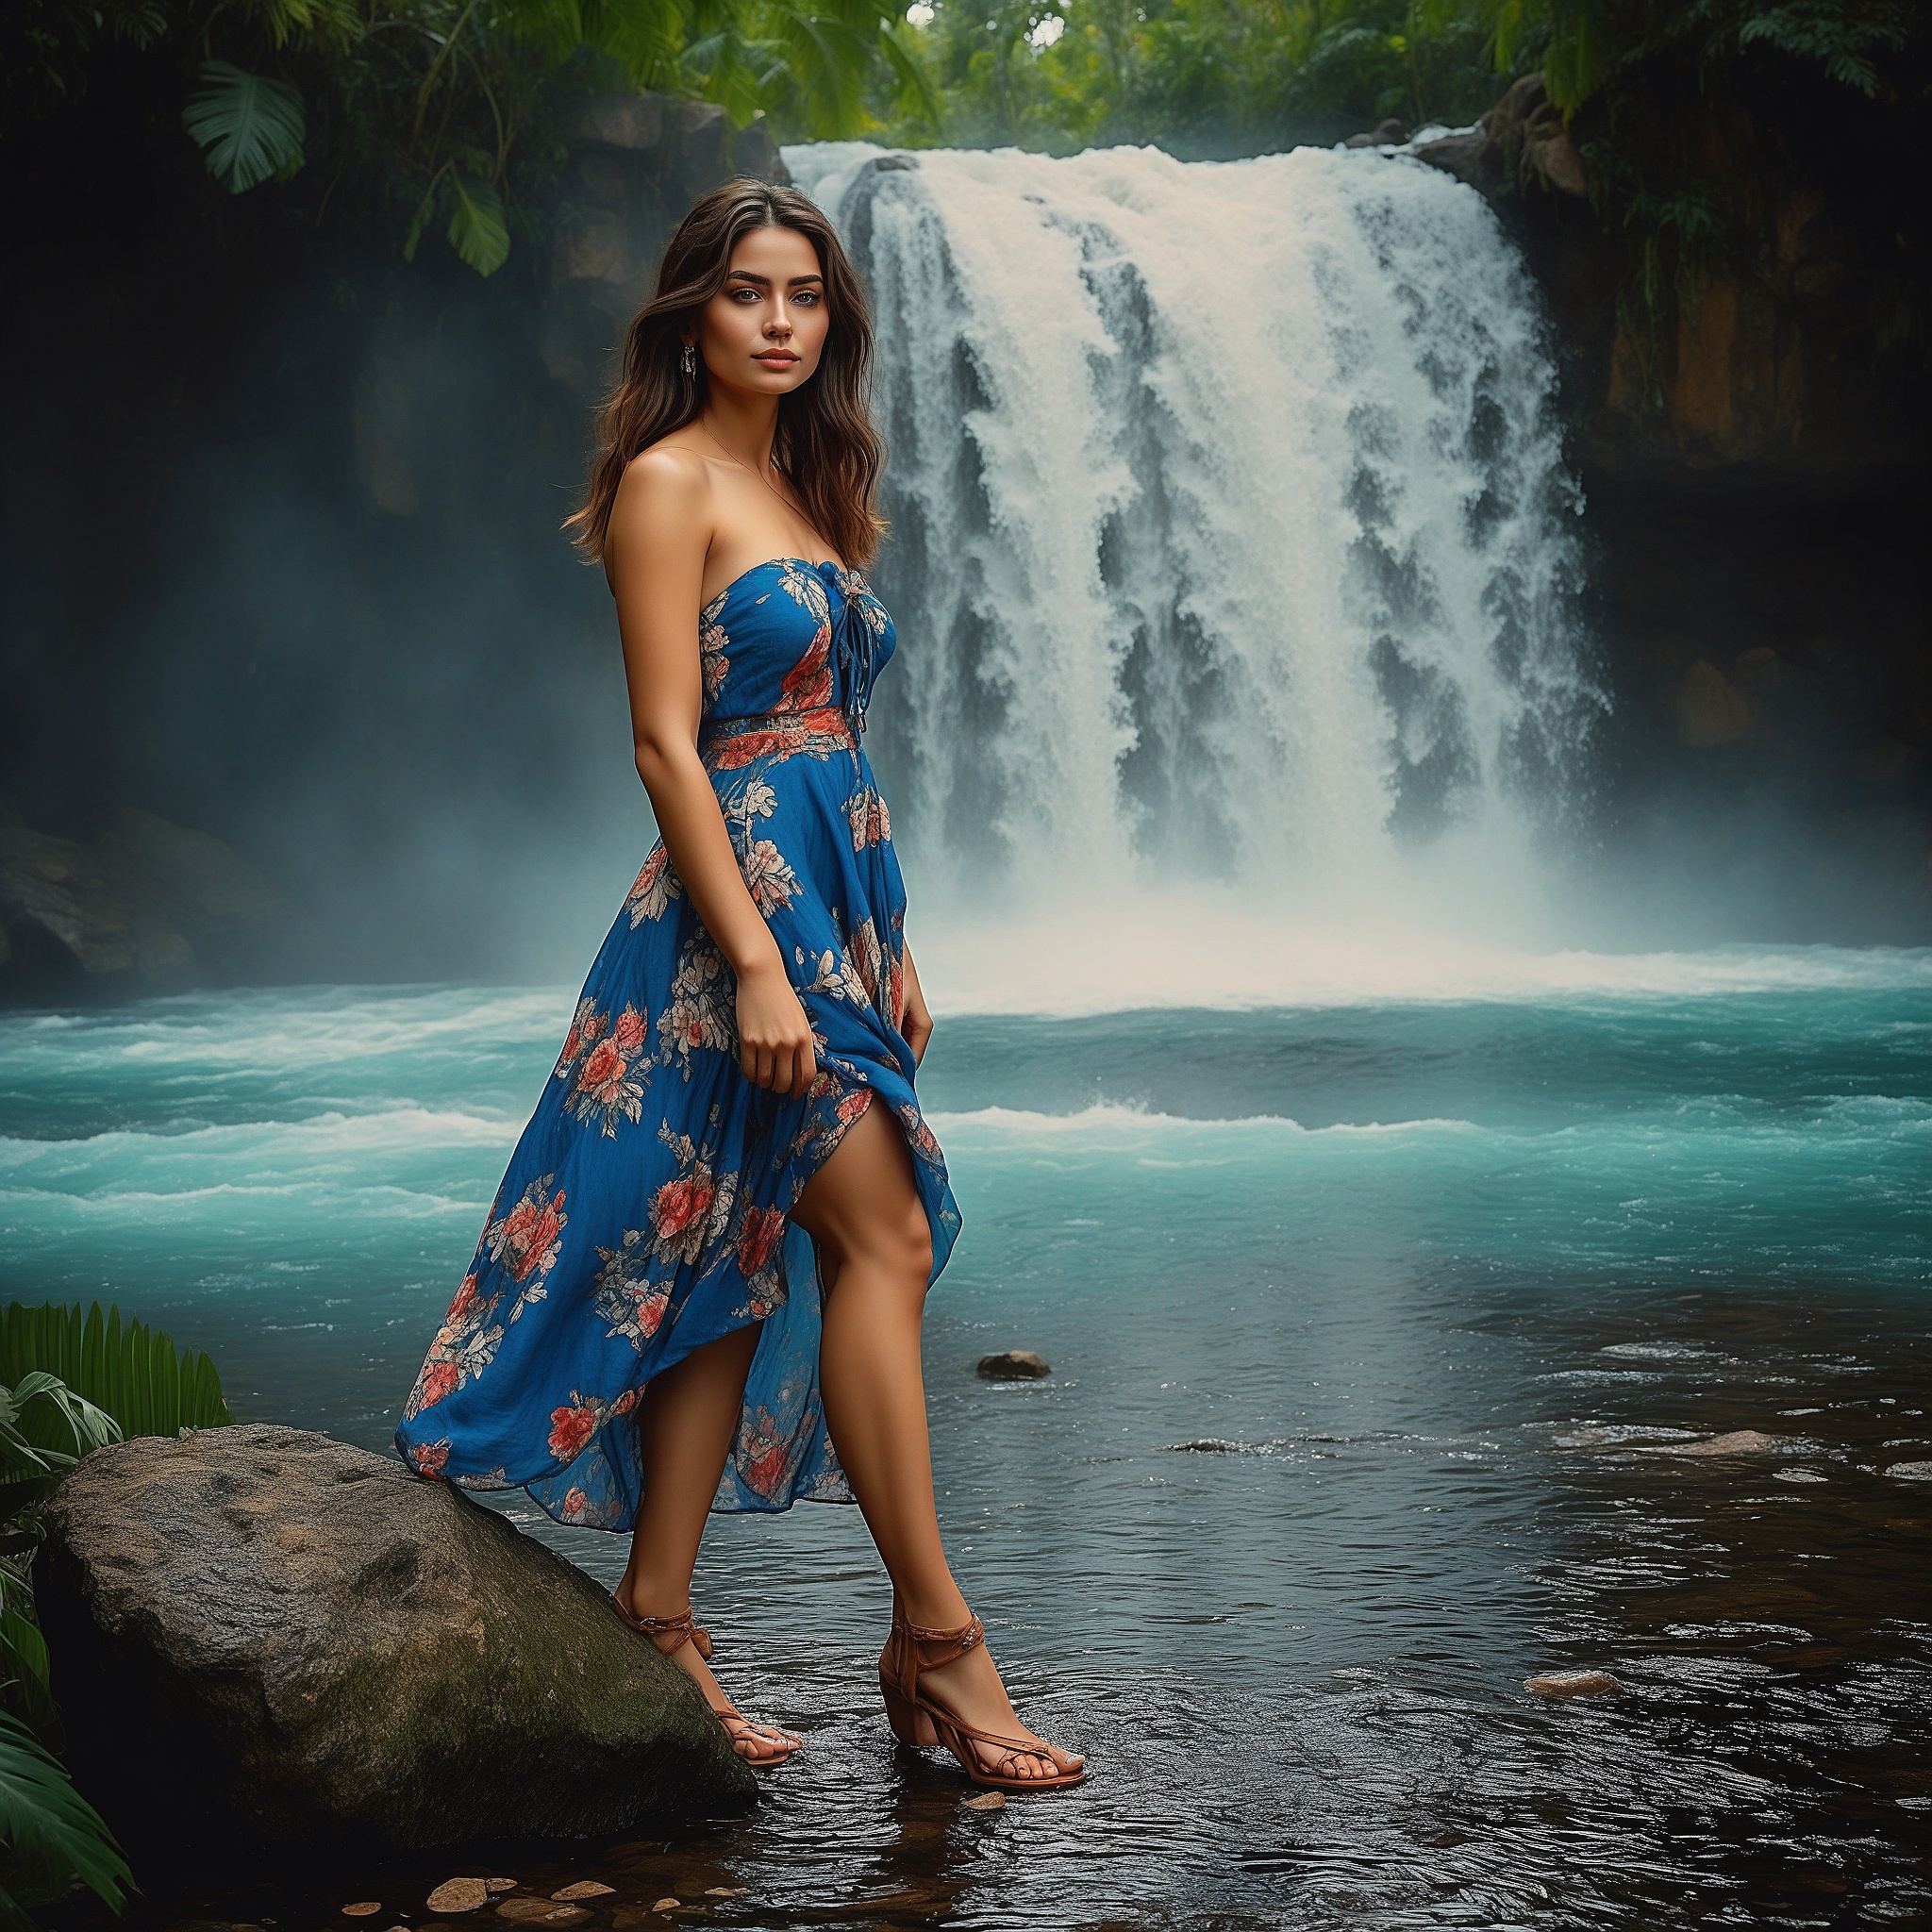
664	495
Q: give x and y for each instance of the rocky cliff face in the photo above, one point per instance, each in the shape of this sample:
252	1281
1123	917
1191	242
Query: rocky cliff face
1747	370
1759	325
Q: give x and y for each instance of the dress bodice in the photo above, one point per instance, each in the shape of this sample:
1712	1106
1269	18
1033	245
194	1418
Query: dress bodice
788	636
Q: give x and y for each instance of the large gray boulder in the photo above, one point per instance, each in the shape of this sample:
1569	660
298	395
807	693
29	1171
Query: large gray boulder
264	1640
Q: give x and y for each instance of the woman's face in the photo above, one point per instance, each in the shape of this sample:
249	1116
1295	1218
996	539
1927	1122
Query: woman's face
765	329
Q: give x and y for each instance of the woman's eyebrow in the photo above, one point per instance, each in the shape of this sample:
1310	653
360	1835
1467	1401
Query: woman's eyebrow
744	275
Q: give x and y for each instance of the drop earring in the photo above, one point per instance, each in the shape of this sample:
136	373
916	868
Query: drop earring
690	359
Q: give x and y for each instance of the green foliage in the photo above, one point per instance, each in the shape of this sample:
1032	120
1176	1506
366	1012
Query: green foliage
249	125
1241	76
443	113
70	1383
51	1834
139	1379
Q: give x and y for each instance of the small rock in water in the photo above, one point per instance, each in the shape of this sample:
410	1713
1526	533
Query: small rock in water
986	1801
1911	1472
1574	1684
585	1887
1014	1365
1737	1443
362	1909
727	1891
458	1895
501	1884
664	1905
540	1911
1799	1475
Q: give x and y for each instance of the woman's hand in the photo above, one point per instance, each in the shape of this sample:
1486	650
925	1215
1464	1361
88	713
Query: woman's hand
915	1028
776	1048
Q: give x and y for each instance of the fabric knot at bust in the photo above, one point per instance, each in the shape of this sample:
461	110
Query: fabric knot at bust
853	642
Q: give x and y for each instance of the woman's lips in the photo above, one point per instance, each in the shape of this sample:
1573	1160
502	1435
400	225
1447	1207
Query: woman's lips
777	359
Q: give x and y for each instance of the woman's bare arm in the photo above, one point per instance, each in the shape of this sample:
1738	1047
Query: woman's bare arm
660	530
916	1027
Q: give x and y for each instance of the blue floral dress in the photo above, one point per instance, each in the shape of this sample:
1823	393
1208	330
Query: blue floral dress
645	1211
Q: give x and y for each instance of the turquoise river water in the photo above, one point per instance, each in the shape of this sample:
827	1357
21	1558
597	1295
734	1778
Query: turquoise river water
1381	1332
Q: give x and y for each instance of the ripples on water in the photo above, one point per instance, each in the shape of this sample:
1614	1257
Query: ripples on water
1380	1342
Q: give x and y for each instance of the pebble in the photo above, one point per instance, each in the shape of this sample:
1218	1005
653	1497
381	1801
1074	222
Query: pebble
501	1884
585	1887
362	1909
664	1905
460	1895
540	1911
1911	1472
1574	1684
1014	1365
1799	1475
986	1801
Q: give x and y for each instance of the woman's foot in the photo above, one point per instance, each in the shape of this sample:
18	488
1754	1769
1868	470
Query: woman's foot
760	1745
968	1687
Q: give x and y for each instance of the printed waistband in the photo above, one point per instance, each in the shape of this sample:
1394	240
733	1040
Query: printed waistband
733	741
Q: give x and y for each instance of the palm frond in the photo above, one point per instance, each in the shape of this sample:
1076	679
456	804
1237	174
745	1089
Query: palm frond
478	230
135	1377
52	1833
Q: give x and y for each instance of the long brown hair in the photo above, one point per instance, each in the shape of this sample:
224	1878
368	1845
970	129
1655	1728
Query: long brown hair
826	447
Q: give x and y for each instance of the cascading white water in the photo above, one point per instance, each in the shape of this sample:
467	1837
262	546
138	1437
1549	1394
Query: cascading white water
1231	534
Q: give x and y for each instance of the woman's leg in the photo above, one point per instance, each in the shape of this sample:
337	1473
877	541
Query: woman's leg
685	1426
876	1249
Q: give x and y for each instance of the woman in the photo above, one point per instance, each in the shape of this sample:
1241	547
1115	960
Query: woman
702	1281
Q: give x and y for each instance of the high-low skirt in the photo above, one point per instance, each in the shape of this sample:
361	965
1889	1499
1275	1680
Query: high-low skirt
645	1209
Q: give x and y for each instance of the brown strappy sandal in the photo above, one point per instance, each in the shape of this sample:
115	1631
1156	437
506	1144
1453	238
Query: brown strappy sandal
685	1628
921	1721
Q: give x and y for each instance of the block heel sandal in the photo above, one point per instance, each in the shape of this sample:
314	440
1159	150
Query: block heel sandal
919	1720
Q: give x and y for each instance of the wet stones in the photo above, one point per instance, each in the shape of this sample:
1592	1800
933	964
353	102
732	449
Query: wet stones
458	1895
1559	1684
1013	1365
1911	1472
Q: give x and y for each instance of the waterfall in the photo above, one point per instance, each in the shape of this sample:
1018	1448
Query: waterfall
1231	535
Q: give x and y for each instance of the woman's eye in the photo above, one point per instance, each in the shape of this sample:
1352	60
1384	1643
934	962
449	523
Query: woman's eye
807	298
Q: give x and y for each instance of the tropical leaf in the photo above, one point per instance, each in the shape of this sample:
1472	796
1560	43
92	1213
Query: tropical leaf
23	1670
129	1376
249	125
52	1834
477	231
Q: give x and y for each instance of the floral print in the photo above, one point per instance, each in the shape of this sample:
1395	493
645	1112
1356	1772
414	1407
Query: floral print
871	822
702	1016
647	1207
656	886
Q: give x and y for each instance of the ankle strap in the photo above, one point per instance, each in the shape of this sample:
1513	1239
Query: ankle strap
959	1640
681	1629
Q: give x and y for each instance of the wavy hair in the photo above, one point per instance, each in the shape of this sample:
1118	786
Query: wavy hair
826	446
